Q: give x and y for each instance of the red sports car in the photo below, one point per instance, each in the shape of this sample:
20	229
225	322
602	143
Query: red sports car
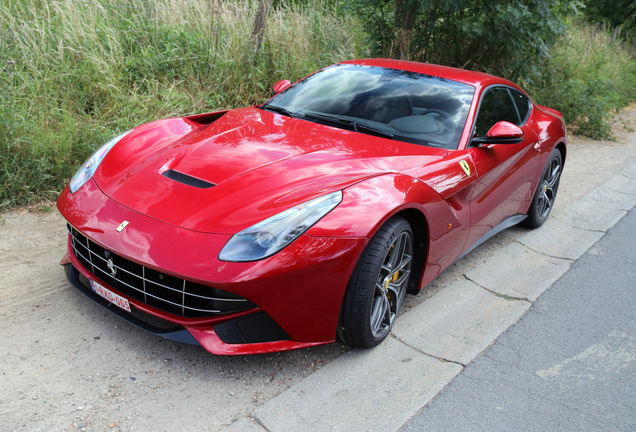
284	225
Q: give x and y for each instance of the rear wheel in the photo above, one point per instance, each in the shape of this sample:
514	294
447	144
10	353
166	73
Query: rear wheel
378	285
545	195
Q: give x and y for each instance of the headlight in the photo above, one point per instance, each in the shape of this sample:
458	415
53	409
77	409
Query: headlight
90	166
270	236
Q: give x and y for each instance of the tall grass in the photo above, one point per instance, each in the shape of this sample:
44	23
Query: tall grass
587	79
75	72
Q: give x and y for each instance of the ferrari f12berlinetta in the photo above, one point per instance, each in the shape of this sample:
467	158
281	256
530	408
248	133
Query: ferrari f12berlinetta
285	225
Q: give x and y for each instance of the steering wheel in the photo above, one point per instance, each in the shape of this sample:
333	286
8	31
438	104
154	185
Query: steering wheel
438	111
442	119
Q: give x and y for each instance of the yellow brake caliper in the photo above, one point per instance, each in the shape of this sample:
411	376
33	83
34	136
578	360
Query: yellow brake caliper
392	278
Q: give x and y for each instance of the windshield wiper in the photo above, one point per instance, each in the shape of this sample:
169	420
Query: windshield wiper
327	117
280	110
350	122
370	128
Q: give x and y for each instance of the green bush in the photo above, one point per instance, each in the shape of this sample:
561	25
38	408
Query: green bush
587	79
502	37
85	70
613	12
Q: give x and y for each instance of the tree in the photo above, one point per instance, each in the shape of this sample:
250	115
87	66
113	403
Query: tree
260	23
497	36
615	12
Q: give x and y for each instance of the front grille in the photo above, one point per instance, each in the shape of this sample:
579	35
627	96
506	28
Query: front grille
161	291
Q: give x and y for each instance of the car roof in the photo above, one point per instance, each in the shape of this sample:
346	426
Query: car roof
476	79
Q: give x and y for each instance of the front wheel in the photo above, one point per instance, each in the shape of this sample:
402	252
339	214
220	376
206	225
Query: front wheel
378	285
545	195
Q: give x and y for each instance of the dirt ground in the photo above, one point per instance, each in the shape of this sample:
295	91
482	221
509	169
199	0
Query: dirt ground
67	364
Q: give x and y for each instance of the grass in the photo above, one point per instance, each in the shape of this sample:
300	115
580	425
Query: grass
587	79
507	297
73	73
76	72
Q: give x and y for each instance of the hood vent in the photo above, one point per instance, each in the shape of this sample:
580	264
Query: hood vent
186	179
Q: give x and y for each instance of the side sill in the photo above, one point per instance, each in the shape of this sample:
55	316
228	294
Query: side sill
511	221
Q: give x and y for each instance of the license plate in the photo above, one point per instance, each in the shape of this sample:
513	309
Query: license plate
115	299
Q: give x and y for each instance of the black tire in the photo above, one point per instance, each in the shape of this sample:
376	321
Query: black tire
377	286
546	192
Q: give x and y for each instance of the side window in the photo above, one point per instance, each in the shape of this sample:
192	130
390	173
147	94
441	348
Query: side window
522	102
496	106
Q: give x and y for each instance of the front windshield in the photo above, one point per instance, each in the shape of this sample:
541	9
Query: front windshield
397	104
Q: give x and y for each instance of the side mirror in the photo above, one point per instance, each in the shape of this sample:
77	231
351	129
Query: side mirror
502	132
280	86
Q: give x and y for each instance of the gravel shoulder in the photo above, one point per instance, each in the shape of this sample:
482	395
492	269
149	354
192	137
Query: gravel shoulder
67	364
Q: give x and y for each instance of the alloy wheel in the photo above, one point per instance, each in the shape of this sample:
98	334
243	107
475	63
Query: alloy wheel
391	285
547	193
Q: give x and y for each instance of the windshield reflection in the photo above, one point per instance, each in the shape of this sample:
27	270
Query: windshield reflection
397	104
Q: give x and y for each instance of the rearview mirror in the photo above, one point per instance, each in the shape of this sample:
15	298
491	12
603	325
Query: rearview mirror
502	132
279	86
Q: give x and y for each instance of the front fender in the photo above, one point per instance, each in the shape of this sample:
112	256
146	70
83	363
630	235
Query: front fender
367	205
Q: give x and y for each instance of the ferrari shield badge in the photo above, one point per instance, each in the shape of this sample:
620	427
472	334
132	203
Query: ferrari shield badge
465	166
121	227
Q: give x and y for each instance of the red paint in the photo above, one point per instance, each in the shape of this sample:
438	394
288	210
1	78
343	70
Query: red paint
279	86
503	129
263	163
65	260
211	342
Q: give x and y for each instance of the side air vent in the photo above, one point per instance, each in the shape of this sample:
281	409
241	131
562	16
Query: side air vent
186	179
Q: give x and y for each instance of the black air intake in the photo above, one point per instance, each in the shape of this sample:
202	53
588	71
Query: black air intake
186	179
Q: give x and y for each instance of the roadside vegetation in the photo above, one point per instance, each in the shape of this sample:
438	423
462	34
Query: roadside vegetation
75	72
588	78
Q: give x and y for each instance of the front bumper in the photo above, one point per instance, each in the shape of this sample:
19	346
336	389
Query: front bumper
176	333
206	337
299	289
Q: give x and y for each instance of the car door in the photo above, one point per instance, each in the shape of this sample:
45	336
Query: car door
504	171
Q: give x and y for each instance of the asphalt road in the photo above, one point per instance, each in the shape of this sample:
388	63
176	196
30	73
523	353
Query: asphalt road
570	362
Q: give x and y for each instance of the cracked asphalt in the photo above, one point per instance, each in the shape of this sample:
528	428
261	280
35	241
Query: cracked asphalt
569	364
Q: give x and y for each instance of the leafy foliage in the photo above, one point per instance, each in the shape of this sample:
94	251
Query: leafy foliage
504	37
587	79
614	12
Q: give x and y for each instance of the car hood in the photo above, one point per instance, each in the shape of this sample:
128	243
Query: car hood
260	164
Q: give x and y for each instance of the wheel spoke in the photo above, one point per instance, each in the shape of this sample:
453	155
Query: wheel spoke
546	204
406	259
388	314
394	288
396	253
398	288
400	280
381	314
549	193
541	203
554	176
